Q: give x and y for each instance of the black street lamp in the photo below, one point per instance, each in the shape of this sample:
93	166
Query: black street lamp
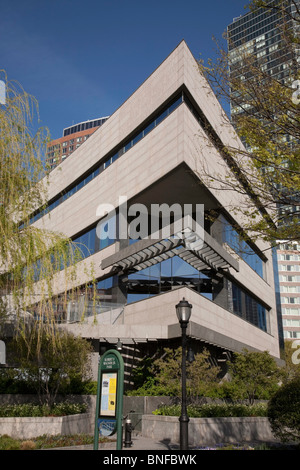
183	311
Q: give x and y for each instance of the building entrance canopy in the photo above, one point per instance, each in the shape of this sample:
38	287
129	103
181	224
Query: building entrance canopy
201	251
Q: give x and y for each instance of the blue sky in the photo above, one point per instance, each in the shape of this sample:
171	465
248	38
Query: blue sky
82	59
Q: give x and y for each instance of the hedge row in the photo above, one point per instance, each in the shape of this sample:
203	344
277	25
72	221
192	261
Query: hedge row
76	387
214	410
30	410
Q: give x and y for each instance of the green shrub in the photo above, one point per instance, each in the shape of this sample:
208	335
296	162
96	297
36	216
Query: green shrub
152	390
77	386
51	442
214	410
11	383
47	442
28	409
89	388
8	443
284	412
64	408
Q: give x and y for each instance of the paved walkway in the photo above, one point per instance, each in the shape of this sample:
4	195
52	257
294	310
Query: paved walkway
138	443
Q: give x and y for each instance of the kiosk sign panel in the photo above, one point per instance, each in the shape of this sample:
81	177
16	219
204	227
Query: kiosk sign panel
108	394
109	407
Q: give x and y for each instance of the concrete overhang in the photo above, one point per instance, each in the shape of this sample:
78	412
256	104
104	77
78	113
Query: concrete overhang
127	334
194	331
130	335
207	336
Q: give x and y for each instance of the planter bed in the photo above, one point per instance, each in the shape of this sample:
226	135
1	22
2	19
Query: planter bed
27	428
209	431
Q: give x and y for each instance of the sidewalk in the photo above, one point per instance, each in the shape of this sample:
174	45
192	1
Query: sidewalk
139	442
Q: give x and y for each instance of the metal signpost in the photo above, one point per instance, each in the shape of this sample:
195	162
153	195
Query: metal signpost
109	406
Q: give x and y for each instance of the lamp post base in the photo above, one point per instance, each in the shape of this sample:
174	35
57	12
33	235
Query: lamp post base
184	440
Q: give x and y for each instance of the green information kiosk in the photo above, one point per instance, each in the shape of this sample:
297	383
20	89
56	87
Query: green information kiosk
109	406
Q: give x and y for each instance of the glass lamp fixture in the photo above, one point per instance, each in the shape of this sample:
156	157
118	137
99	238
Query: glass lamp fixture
183	310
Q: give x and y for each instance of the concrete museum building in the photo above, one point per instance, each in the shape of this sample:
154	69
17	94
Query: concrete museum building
150	153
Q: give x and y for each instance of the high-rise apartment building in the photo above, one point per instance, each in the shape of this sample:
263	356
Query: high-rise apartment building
59	149
123	194
261	33
288	255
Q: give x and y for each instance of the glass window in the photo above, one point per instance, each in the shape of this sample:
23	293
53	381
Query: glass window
86	242
161	117
79	185
149	128
105	283
175	104
182	269
237	300
137	138
166	268
107	163
106	232
242	248
88	178
96	172
154	271
128	146
70	192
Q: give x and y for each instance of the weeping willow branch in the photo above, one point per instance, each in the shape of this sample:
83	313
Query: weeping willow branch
30	258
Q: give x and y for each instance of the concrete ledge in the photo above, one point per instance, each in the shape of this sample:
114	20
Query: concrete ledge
208	431
27	428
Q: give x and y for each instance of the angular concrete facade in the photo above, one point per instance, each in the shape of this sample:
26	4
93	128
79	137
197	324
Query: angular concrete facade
152	150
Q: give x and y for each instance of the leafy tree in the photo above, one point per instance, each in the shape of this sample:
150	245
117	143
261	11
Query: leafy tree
61	360
164	376
31	259
253	374
167	371
203	376
142	374
284	412
267	121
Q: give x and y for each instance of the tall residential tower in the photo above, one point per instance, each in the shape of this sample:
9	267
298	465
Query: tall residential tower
261	34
